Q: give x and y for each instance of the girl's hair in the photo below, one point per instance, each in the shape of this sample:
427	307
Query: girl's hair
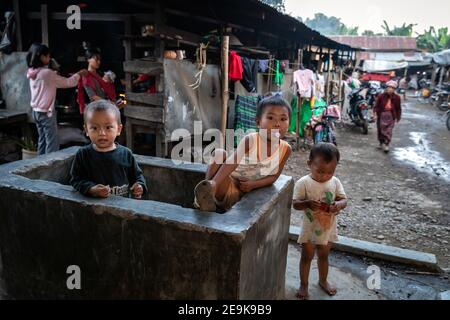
327	151
92	52
272	100
34	55
102	105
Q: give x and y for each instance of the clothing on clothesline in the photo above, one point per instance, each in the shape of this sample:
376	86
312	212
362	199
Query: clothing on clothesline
235	69
250	76
304	79
278	79
263	65
320	86
305	115
245	113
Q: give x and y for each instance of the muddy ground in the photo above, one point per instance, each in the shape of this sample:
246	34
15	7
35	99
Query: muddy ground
400	199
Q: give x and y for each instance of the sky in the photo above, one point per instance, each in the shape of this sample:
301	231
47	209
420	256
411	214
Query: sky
369	15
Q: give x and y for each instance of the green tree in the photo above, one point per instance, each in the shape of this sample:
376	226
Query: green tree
330	25
405	30
434	41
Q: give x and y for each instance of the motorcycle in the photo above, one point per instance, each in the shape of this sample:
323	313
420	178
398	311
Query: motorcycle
322	124
441	98
374	90
359	110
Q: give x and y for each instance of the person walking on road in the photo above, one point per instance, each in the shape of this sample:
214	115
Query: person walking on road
388	110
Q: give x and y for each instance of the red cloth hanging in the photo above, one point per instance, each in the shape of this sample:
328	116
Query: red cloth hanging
235	69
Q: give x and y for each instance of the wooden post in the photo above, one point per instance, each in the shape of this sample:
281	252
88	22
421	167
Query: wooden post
340	87
271	67
18	25
225	93
329	77
44	24
434	76
297	120
441	77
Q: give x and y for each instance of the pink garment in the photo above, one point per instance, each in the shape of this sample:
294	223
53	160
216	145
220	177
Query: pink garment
305	82
43	85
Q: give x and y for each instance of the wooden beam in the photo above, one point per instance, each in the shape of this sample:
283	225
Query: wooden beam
16	6
142	66
128	55
146	98
44	24
145	113
108	17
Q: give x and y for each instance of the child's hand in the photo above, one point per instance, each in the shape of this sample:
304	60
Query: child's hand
100	191
334	209
315	205
137	190
246	185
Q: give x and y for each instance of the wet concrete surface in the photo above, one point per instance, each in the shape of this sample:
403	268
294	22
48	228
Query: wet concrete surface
399	199
351	275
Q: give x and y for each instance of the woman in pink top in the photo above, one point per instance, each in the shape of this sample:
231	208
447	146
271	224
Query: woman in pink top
43	85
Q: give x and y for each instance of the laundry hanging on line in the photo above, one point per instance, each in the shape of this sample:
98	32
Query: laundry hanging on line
235	69
250	76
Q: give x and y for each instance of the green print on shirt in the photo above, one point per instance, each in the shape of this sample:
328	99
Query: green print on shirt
329	198
309	215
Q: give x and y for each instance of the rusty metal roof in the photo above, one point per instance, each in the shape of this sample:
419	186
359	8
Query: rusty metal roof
381	43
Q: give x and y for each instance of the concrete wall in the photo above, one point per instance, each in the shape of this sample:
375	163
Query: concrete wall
14	83
130	249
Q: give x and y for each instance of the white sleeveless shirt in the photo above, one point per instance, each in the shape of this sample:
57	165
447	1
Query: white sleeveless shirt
255	165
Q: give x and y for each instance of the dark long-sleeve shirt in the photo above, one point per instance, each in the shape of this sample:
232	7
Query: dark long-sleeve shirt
396	105
117	169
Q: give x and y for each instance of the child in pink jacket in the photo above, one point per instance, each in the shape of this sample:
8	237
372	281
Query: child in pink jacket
43	85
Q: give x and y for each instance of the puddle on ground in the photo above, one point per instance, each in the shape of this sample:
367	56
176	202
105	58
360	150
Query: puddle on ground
415	116
423	158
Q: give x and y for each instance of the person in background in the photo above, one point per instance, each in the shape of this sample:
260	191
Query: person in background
388	111
43	84
92	83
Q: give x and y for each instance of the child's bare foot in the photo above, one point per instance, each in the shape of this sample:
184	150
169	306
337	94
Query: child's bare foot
204	196
303	293
328	288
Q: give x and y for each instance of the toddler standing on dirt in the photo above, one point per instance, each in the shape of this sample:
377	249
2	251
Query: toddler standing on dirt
321	196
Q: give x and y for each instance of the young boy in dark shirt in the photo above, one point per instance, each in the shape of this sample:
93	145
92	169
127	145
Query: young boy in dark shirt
105	168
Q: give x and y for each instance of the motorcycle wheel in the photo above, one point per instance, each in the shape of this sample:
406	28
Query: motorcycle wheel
448	121
439	103
365	127
318	137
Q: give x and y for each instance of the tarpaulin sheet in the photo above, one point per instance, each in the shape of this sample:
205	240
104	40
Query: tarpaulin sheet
186	105
442	58
382	66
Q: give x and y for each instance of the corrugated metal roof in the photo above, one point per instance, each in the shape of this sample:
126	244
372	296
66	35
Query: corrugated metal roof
390	43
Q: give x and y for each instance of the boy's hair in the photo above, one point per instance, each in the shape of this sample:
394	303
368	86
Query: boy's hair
34	55
327	151
274	100
102	105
